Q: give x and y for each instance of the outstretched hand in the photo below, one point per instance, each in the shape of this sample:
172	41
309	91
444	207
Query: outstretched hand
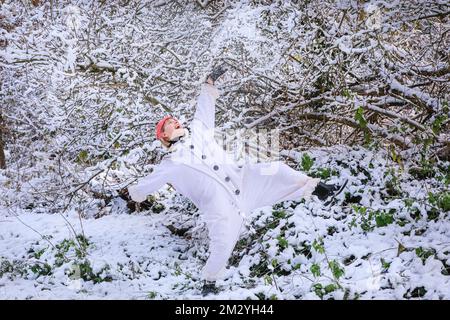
210	81
216	73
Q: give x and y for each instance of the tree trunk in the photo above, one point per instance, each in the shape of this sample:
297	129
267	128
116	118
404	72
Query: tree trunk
2	152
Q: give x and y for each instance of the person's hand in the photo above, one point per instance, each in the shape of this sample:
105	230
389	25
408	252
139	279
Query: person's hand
210	81
216	73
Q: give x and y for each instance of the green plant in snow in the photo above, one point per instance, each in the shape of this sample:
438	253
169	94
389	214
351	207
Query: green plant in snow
392	183
424	253
385	265
414	211
282	242
359	117
274	263
444	174
364	217
83	157
306	162
321	290
336	269
268	280
318	245
78	246
396	157
43	269
12	268
368	219
82	269
440	200
36	254
315	270
324	173
438	122
279	214
383	219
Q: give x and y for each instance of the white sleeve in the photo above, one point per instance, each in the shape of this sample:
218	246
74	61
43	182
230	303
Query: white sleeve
148	184
206	105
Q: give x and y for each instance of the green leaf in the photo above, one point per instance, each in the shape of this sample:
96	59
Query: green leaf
274	263
385	265
268	279
437	123
83	155
424	254
282	242
318	289
307	162
318	245
383	219
330	288
315	270
323	173
359	116
336	269
346	93
279	214
441	200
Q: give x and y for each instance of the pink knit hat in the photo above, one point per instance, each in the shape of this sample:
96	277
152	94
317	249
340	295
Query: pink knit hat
160	125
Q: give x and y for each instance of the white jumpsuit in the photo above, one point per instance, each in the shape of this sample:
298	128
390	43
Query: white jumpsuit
224	192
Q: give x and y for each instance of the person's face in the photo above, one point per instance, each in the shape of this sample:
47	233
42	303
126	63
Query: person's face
169	127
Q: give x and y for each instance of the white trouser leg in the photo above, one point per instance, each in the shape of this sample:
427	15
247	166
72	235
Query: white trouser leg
224	228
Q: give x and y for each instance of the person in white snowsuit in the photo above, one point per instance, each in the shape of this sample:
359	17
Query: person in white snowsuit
225	192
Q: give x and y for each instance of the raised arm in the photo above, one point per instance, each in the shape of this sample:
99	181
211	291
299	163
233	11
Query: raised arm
148	184
206	105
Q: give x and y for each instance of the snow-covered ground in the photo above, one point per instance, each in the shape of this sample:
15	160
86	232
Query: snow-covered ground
395	249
